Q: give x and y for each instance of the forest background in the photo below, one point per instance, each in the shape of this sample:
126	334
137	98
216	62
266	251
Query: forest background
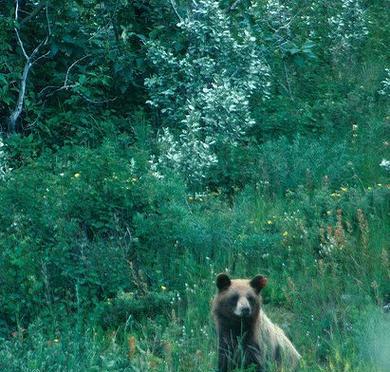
148	145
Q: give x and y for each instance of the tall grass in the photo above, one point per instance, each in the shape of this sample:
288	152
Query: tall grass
326	254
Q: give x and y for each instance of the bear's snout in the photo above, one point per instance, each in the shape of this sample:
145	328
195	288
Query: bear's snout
246	311
243	308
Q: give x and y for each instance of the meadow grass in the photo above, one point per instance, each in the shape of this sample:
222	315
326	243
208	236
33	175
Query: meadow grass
328	281
111	235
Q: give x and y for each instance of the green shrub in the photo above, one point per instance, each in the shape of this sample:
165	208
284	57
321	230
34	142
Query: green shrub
72	226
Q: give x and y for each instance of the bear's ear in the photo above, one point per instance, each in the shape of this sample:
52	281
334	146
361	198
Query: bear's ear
223	281
258	283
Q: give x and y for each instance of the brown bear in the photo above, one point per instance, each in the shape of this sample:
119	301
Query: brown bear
246	335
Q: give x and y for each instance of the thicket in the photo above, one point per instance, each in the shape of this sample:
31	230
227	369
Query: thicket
147	146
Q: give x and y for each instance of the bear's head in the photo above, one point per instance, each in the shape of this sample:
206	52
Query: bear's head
238	299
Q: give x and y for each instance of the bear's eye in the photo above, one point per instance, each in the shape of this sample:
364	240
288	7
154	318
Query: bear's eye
251	299
233	299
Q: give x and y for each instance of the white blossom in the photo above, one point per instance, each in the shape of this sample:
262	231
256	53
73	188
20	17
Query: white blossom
385	164
385	85
348	26
278	14
4	169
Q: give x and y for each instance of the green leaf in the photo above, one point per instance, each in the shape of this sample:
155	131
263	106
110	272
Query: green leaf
82	79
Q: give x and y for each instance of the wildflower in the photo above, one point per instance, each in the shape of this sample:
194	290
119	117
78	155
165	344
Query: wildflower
163	287
343	189
363	227
339	235
285	234
76	175
132	346
269	222
167	347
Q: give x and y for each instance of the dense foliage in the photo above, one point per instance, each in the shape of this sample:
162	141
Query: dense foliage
148	145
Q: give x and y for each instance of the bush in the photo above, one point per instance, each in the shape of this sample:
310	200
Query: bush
69	230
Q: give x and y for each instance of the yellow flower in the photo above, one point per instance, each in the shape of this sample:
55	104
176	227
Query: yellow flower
269	222
285	234
76	175
343	189
163	287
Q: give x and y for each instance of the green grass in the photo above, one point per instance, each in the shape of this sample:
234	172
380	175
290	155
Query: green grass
187	342
328	280
108	265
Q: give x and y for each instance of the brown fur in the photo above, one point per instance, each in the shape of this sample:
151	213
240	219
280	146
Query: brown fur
245	333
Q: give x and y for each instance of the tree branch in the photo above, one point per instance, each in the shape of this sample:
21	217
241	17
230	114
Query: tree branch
71	66
66	86
33	14
30	60
22	91
20	42
175	10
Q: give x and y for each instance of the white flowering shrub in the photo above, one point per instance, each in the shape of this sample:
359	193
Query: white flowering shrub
348	26
203	92
385	164
4	169
273	19
190	154
385	85
341	23
278	14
